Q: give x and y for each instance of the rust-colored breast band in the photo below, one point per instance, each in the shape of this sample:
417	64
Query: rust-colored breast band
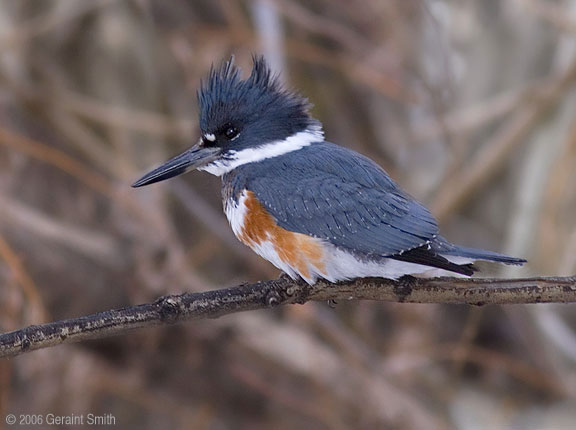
297	250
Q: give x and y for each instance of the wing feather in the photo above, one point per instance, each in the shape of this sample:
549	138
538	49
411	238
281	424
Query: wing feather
338	195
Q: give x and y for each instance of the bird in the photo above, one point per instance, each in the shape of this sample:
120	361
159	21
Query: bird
314	209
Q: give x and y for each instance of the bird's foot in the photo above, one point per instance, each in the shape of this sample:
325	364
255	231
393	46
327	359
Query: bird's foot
285	277
404	287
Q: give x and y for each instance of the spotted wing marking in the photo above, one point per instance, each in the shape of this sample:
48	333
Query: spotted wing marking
296	250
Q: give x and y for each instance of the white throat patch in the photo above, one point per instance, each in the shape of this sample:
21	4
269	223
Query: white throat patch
268	150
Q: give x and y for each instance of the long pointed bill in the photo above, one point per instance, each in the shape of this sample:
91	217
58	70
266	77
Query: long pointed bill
194	158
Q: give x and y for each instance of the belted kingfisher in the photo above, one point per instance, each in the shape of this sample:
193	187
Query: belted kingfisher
312	208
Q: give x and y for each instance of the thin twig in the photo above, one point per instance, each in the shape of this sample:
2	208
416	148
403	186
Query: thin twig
22	276
491	157
153	123
56	19
261	295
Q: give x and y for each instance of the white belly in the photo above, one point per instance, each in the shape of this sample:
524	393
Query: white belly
336	264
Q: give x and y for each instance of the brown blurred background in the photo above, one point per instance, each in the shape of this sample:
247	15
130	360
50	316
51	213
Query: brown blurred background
470	105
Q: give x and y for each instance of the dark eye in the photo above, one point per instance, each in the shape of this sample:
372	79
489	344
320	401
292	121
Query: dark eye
231	132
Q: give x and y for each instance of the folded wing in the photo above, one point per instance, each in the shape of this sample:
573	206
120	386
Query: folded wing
335	194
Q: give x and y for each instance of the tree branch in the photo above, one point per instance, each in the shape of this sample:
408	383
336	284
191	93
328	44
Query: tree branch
261	295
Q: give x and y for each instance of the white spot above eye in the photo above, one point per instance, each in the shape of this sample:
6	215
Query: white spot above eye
210	137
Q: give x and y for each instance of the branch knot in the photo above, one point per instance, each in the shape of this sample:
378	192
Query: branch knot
169	308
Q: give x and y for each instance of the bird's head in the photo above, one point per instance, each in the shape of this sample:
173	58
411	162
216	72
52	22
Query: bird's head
242	121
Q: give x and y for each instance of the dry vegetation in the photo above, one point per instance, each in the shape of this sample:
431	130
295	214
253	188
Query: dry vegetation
469	105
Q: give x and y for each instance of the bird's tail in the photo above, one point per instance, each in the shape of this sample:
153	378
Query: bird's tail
480	254
443	247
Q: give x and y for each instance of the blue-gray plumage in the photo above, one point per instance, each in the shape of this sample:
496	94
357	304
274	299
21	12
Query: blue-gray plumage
329	192
312	208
